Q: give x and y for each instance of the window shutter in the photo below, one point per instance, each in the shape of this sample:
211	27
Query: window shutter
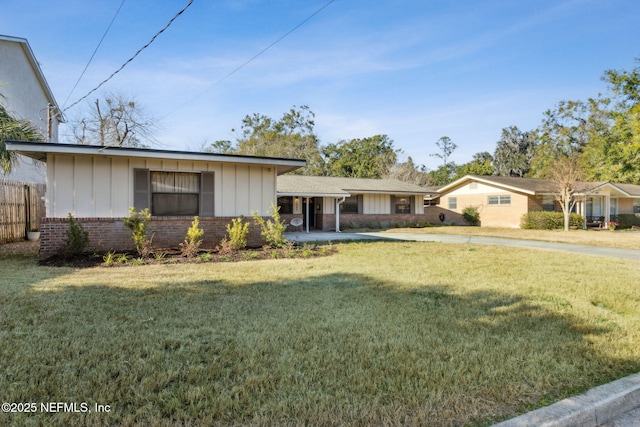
207	200
392	209
412	206
141	190
360	203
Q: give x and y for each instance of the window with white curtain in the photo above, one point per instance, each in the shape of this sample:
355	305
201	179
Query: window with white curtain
175	193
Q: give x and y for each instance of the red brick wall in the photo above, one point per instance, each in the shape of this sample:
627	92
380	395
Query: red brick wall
107	234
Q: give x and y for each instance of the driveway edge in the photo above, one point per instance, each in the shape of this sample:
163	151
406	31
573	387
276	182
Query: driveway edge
591	409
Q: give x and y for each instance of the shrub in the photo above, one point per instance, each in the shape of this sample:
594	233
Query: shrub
77	238
138	223
627	220
539	220
272	229
471	215
238	231
192	242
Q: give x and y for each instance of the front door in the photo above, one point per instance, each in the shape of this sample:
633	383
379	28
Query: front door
311	216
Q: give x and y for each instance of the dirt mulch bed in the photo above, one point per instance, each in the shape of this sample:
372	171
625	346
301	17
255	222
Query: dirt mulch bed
23	247
172	256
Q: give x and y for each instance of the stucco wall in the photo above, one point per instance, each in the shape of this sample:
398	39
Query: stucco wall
102	186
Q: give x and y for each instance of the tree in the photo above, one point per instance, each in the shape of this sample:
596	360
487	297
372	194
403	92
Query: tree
114	121
370	157
568	179
409	172
446	147
220	147
445	173
482	164
290	137
12	129
514	152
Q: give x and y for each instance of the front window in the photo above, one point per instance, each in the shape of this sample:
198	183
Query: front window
453	203
175	193
613	207
636	206
349	206
548	203
499	200
285	203
403	205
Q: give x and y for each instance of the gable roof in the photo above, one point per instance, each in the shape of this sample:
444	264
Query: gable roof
538	186
26	48
330	186
39	151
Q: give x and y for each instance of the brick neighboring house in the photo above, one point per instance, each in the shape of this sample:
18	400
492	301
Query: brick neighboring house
333	203
98	185
502	200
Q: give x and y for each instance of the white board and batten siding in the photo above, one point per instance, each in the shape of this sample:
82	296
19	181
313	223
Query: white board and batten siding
101	186
374	204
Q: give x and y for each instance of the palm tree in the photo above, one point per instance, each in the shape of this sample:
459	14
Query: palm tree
14	130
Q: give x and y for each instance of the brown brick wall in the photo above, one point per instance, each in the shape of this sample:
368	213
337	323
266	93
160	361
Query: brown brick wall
107	234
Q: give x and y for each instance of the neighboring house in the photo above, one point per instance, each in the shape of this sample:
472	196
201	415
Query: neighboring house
333	203
502	200
98	185
25	94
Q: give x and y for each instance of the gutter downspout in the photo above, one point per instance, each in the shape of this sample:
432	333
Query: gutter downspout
338	203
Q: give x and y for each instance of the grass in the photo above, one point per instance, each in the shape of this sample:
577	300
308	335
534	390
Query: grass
615	239
378	333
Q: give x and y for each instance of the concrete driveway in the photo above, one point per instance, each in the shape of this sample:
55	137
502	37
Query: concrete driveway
320	236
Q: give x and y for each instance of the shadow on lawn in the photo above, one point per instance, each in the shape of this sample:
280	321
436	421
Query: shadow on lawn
326	350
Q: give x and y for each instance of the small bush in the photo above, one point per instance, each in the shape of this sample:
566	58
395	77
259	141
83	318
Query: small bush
237	233
272	229
192	242
626	220
539	220
138	223
205	257
109	258
77	239
471	215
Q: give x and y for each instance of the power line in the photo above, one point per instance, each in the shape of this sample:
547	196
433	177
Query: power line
93	54
244	64
133	57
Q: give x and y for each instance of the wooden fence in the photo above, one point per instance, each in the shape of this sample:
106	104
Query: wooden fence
21	207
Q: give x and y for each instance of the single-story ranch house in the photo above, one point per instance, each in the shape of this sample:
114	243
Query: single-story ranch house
333	203
502	200
98	185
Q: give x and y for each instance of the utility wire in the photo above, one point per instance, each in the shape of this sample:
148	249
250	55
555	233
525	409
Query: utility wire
93	54
244	64
133	57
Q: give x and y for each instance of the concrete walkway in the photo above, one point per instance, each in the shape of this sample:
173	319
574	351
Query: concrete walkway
616	404
323	236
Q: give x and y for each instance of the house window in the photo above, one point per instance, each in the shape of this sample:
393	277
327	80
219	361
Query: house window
403	205
349	206
636	206
613	206
453	203
175	193
548	203
430	202
499	200
285	203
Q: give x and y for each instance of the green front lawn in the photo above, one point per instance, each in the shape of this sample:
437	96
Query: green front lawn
378	333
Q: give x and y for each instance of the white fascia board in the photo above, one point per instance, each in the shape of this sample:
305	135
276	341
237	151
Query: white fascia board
606	184
484	181
293	194
39	151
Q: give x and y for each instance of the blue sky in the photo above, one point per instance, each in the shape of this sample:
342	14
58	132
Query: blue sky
415	70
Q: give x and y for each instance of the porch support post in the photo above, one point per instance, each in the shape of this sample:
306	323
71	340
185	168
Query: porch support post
307	219
607	210
338	203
